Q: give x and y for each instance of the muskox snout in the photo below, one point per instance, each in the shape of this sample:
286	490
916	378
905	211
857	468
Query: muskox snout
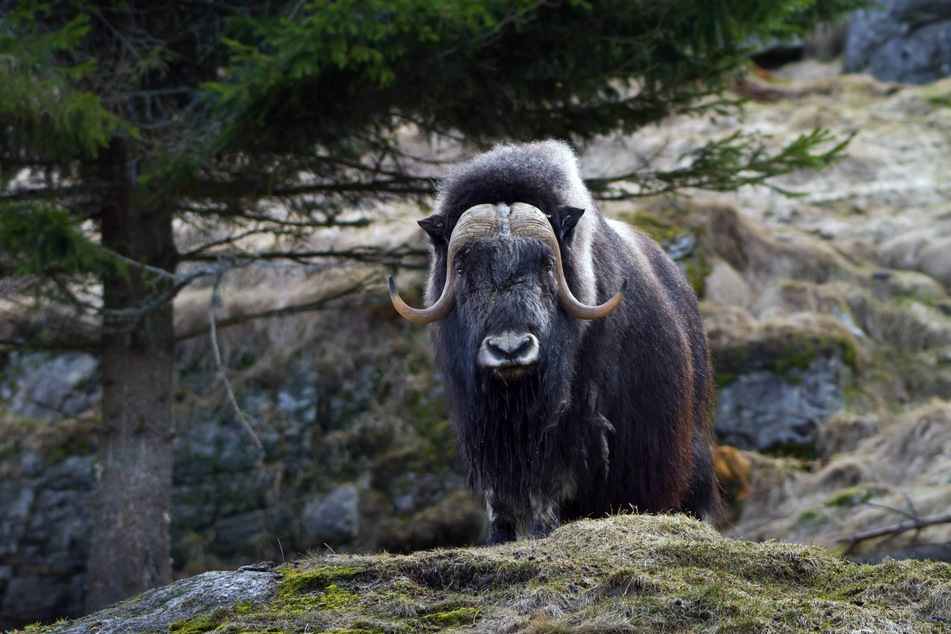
509	350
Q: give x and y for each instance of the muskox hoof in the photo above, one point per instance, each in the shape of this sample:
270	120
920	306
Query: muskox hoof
542	528
500	533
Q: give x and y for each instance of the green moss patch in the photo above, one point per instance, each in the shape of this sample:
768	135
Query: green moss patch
783	349
199	624
853	496
621	574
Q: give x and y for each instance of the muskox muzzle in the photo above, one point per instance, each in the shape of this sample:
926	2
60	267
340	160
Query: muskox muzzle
489	221
509	350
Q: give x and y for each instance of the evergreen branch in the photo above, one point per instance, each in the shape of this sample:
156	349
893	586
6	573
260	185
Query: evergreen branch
329	221
125	320
92	346
728	164
407	186
229	240
47	193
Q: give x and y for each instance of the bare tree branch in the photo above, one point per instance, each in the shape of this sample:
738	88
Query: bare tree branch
213	335
370	255
915	523
322	303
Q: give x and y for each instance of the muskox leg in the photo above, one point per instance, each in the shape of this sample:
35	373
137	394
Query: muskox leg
703	496
502	524
545	517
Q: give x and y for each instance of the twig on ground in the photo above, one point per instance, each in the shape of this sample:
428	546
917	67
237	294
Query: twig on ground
915	523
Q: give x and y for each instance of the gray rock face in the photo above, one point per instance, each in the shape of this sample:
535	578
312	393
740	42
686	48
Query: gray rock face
905	41
157	609
52	388
765	411
44	539
332	518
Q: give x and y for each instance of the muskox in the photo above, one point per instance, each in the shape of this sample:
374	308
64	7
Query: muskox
575	363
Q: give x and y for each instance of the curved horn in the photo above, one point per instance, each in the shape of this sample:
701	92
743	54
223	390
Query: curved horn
528	220
423	315
475	222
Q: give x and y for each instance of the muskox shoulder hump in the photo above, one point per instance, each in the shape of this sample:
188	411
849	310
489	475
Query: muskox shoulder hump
545	174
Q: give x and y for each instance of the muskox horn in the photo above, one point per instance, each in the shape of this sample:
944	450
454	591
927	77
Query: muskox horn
475	222
527	220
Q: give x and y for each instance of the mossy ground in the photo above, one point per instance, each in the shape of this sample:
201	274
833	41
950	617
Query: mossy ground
622	574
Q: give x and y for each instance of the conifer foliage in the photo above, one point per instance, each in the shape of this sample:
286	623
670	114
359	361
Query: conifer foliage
118	118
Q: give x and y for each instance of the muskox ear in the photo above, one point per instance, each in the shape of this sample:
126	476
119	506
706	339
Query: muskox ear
435	226
567	218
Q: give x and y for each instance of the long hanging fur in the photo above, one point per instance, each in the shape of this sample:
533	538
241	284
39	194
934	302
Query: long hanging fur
617	414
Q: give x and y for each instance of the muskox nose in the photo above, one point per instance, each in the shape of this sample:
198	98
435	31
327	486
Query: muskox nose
509	349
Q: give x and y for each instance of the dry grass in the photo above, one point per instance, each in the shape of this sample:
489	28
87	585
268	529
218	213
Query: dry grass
927	250
751	250
622	574
903	468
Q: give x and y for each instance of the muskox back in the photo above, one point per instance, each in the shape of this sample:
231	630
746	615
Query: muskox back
565	402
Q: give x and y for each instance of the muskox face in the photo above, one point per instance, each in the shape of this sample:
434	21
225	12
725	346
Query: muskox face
507	299
506	279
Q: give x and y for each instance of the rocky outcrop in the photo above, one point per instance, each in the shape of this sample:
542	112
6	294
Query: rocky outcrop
191	599
46	488
764	411
329	473
901	40
778	380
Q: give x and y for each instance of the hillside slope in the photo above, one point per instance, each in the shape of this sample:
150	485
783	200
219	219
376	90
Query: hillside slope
842	437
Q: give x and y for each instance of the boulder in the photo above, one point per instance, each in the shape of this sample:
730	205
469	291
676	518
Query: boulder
157	610
778	379
927	250
906	41
767	411
333	518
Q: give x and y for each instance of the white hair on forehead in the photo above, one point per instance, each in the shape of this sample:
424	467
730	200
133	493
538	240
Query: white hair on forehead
551	160
558	153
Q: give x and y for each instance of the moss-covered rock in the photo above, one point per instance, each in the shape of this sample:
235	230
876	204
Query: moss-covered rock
622	574
779	379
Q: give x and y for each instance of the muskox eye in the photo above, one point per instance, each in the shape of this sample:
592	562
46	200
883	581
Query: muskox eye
549	265
460	271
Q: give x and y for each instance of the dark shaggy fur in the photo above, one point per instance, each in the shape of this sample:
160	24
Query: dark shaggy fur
616	414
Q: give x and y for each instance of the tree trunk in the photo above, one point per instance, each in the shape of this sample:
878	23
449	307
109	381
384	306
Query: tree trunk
130	539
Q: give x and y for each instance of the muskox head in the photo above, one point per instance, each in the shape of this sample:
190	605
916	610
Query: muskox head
506	277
